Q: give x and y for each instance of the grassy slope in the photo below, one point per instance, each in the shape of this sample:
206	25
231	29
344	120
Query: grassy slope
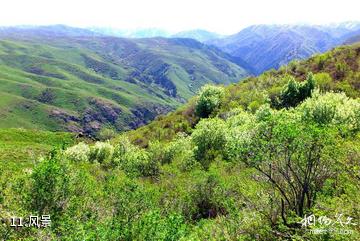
20	148
337	70
38	76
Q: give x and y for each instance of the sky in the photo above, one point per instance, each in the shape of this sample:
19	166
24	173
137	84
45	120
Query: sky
221	16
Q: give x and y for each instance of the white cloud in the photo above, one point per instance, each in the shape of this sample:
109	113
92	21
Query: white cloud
224	16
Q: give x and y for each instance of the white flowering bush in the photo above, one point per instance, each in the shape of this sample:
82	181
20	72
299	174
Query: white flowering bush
122	146
79	152
333	108
101	152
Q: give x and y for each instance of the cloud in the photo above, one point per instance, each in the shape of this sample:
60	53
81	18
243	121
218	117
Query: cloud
224	16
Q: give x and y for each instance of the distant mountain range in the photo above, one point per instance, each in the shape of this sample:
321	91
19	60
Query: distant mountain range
131	33
198	34
353	39
269	46
63	78
262	47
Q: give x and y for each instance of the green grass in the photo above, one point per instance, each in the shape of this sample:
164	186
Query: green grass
21	148
76	71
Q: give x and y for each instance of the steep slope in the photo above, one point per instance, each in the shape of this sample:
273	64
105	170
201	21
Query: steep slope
270	46
247	171
89	83
337	70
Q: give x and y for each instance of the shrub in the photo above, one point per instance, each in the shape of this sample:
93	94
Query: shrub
154	226
324	81
209	138
293	92
137	162
130	201
333	108
290	93
307	87
50	186
101	152
161	152
341	69
210	98
78	153
182	150
106	133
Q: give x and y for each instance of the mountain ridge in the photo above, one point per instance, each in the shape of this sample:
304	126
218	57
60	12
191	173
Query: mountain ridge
87	83
270	46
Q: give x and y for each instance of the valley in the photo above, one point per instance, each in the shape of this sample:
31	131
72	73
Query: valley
85	84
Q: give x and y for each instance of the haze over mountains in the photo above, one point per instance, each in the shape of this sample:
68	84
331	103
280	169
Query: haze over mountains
269	46
261	46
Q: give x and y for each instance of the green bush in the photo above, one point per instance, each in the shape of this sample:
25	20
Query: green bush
210	98
102	152
333	108
293	92
137	162
209	137
324	81
50	187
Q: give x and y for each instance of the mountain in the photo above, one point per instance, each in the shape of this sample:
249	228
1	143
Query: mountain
249	170
335	70
270	46
131	33
50	31
198	34
353	39
84	83
341	30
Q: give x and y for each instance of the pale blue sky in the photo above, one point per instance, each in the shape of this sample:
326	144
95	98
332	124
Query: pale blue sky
222	16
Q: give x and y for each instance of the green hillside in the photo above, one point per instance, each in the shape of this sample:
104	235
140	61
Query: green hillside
251	161
21	148
336	70
88	84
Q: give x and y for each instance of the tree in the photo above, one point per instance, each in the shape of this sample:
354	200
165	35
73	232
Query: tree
293	92
307	87
294	156
210	98
290	94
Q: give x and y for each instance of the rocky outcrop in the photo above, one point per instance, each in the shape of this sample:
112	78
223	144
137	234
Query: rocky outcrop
143	114
99	113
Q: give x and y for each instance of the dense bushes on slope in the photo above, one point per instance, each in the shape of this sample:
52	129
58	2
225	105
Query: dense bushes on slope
250	170
253	92
270	168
